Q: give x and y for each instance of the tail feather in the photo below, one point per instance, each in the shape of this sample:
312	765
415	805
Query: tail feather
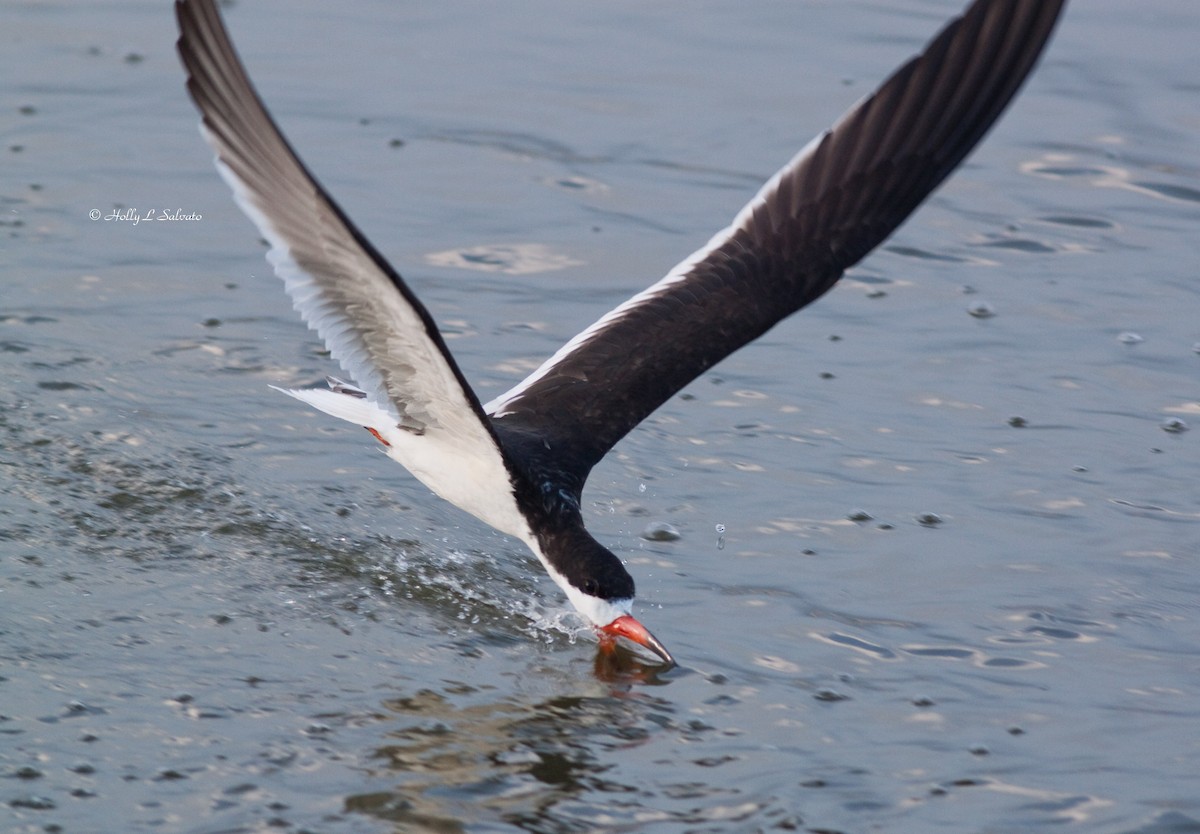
343	401
342	387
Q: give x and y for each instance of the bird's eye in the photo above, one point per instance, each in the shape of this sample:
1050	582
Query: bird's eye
591	587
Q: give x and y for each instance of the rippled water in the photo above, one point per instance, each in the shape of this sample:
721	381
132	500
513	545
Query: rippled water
937	562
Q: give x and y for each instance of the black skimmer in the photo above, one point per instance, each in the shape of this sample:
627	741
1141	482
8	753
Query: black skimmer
519	462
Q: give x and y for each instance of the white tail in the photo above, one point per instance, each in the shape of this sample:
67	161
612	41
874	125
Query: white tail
344	402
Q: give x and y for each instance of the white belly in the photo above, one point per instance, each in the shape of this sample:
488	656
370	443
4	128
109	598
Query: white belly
464	466
477	483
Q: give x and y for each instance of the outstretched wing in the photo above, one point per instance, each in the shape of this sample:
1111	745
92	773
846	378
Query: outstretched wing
838	199
368	318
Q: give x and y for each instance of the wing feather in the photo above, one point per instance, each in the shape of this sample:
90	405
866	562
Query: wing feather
372	323
834	202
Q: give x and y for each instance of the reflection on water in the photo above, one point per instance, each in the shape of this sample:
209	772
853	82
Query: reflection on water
508	258
525	762
1059	166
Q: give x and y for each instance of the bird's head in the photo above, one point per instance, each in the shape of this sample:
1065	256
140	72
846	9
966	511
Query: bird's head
611	618
600	589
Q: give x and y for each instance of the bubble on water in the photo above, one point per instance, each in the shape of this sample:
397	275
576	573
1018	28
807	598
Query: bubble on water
830	696
929	519
641	487
859	514
1174	425
981	310
33	803
660	531
1130	338
1018	422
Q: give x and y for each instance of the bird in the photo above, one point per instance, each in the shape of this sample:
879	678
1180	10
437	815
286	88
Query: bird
519	462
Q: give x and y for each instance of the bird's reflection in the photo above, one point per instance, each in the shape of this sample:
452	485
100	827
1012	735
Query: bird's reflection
617	664
447	751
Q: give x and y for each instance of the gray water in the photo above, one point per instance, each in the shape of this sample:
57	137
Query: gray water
220	612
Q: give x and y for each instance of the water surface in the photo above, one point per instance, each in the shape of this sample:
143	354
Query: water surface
957	584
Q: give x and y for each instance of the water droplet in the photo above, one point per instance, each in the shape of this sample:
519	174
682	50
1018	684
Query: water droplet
641	487
720	528
1130	338
1174	425
981	310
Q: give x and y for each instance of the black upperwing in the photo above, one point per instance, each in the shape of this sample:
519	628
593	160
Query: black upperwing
833	203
